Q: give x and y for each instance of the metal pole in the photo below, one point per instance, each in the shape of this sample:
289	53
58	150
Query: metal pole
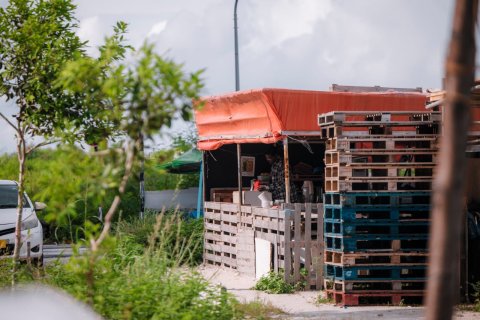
142	179
448	188
235	28
287	170
200	191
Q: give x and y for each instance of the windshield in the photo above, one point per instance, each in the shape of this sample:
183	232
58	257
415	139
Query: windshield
9	196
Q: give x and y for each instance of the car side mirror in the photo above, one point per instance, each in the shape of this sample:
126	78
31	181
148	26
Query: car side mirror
40	206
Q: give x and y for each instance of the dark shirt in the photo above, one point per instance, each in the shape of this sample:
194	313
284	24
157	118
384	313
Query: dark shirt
277	185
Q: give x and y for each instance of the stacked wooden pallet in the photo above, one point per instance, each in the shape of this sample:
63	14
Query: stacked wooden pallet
378	175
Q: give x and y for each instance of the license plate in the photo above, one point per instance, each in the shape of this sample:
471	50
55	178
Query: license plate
3	244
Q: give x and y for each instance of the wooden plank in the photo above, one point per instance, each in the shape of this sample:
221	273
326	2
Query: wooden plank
213	215
229	228
229	217
287	245
229	249
212	257
245	239
212	205
267	212
213	226
213	247
297	235
229	239
212	236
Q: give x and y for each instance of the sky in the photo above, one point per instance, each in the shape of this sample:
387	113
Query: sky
296	44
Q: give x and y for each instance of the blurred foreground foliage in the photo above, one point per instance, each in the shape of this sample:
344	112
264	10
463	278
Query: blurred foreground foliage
71	183
141	272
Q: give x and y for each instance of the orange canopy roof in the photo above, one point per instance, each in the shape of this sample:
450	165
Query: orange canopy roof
268	115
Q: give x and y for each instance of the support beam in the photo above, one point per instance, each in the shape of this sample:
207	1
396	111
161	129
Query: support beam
287	170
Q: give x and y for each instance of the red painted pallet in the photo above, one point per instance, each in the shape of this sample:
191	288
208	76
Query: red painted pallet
375	298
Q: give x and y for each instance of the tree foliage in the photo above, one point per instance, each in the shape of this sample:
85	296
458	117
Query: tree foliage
37	38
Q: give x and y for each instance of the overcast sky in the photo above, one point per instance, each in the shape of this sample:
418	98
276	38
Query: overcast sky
298	44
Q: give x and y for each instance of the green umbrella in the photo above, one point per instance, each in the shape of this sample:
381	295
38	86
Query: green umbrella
188	162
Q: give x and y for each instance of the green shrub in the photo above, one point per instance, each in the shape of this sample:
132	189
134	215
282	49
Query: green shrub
476	296
273	283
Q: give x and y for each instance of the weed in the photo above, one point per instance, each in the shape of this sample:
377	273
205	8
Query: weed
476	296
273	283
323	298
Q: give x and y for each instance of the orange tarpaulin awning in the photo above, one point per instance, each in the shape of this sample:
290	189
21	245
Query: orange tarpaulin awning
268	115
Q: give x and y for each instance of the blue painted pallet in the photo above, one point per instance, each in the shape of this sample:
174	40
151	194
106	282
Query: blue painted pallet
416	243
353	199
376	213
333	272
361	230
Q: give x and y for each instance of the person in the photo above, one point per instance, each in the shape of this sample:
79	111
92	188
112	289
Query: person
277	178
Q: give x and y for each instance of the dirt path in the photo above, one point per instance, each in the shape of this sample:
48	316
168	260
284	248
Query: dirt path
301	305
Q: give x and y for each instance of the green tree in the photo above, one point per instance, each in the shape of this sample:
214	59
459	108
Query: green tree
37	38
142	97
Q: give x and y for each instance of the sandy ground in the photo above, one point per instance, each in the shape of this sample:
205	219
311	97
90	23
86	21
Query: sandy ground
301	305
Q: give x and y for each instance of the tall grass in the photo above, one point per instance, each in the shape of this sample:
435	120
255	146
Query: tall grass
127	280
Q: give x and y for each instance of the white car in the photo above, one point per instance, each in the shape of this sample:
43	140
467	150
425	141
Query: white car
32	232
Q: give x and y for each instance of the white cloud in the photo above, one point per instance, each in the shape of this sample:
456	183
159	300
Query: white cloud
91	30
271	22
157	28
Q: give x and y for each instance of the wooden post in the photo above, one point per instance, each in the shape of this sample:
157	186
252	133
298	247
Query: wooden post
288	244
308	242
287	170
240	194
297	240
448	187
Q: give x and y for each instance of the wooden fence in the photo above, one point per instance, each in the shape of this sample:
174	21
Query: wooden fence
295	232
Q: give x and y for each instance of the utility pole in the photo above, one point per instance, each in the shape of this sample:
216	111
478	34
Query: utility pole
448	187
142	178
237	68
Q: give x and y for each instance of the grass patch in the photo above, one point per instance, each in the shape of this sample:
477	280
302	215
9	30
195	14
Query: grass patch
257	310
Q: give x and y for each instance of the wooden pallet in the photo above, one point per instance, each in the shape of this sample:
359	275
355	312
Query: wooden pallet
365	200
377	214
384	130
380	229
383	143
376	298
378	117
362	286
373	172
375	273
367	185
379	159
376	258
374	244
